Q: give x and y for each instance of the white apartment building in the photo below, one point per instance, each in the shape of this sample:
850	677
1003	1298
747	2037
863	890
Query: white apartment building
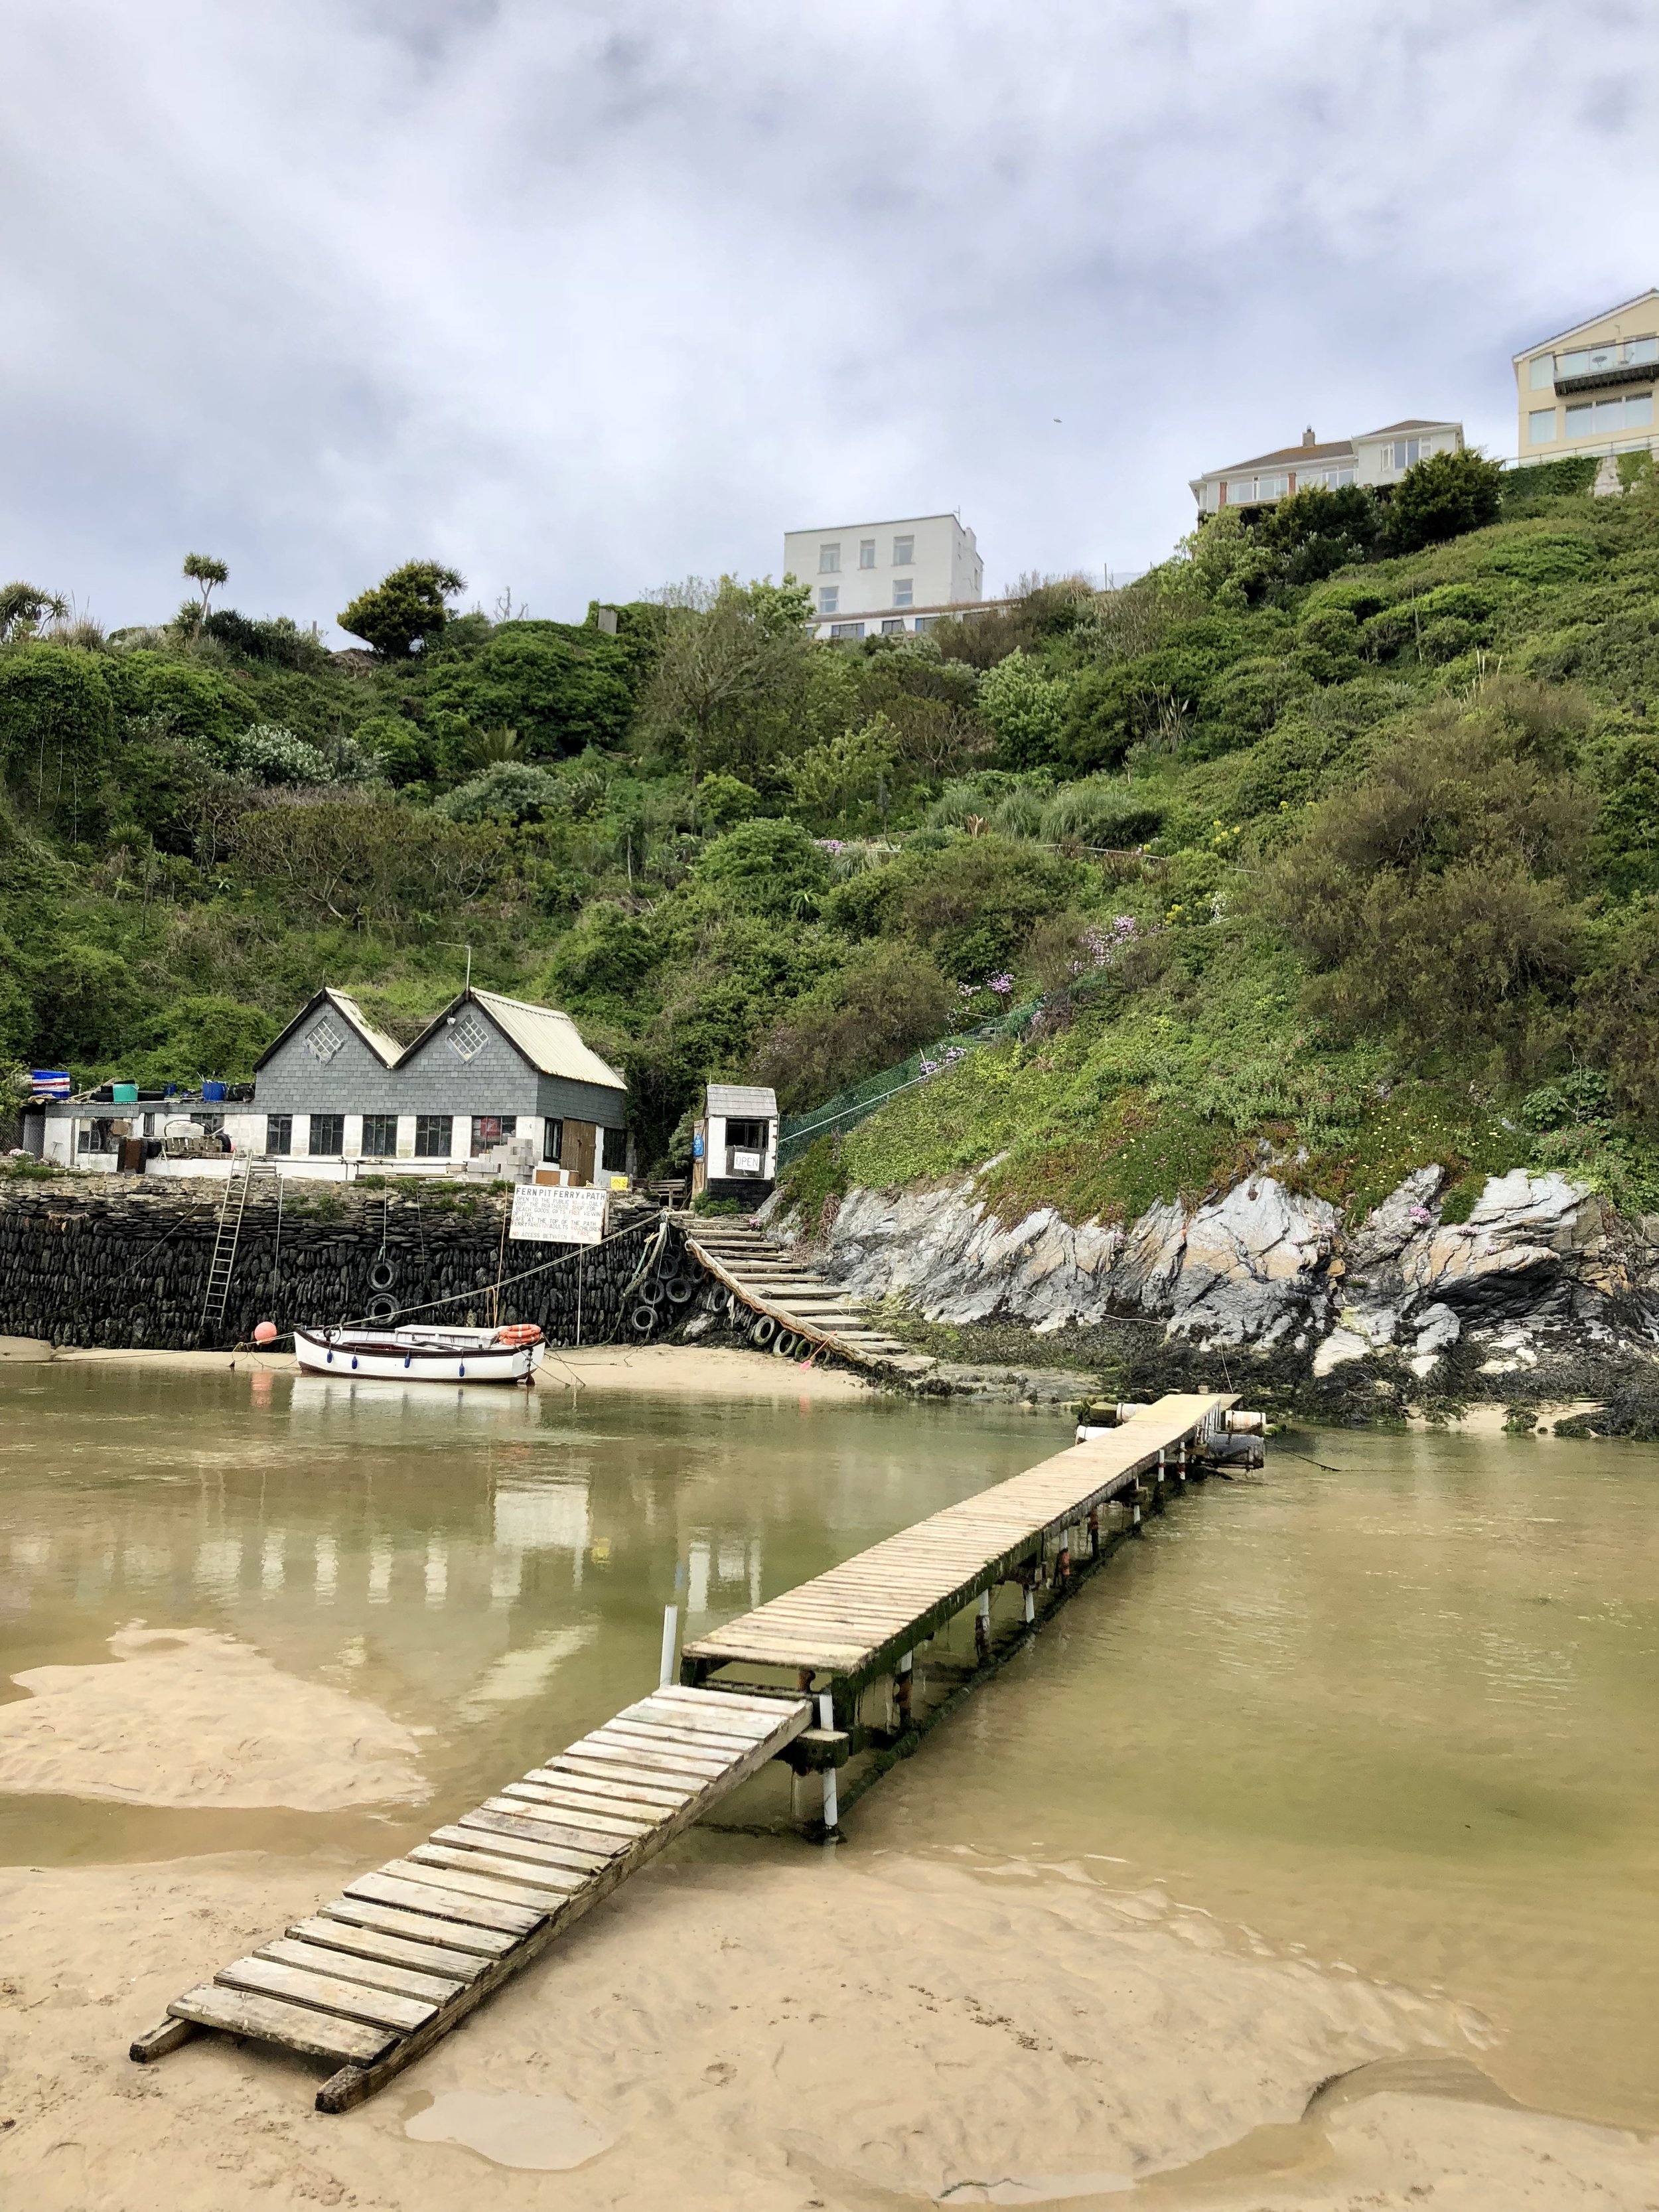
1377	458
1589	390
875	579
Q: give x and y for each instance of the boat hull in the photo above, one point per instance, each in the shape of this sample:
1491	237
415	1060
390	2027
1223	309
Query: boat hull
481	1363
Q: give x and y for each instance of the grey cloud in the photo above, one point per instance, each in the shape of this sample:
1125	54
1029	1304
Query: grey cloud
587	296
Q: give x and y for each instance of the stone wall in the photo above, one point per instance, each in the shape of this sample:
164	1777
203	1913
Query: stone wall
126	1264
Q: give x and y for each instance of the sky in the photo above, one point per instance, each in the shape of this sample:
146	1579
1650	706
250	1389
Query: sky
579	299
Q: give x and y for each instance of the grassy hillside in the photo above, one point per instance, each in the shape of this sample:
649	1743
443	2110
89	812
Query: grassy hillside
1334	842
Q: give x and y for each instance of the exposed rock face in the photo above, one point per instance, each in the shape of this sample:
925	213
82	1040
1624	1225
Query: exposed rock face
1265	1266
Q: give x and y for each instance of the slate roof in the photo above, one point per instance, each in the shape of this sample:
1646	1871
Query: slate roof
744	1101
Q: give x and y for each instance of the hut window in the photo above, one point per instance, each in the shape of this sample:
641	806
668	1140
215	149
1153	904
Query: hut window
327	1139
489	1130
279	1133
380	1136
323	1041
553	1141
433	1136
468	1037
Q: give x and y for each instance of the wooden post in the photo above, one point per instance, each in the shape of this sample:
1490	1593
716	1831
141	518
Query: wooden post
903	1683
982	1627
1030	1604
827	1720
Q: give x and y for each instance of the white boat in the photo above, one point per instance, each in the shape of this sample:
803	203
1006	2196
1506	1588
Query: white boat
424	1355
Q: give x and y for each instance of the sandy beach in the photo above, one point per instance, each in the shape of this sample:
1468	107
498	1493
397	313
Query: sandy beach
810	2029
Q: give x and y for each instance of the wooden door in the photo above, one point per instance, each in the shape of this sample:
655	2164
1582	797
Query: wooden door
578	1149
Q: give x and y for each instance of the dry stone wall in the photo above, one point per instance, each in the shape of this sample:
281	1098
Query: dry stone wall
128	1266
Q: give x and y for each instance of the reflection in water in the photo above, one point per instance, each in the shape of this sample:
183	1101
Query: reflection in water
1399	1710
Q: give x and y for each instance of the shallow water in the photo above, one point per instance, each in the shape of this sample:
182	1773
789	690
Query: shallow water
1397	1709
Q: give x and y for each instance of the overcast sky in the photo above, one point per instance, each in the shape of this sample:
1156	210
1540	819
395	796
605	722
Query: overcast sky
579	298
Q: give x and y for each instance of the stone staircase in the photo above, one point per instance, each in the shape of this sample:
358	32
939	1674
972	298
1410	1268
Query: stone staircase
770	1280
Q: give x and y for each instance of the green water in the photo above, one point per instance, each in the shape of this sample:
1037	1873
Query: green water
1398	1709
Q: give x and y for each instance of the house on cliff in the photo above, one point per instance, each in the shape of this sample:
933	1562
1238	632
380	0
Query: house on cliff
492	1085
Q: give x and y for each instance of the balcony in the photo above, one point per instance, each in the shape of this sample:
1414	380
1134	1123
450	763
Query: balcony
1593	367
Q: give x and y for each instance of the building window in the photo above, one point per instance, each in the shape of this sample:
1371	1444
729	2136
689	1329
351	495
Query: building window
468	1037
746	1148
327	1136
1406	452
904	552
380	1137
324	1041
890	628
846	629
553	1141
1598	360
1334	479
432	1134
829	560
923	624
1540	372
279	1135
489	1130
1610	418
1541	426
904	592
829	598
866	552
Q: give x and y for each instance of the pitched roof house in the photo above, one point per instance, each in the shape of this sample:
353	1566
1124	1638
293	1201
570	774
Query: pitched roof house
1377	458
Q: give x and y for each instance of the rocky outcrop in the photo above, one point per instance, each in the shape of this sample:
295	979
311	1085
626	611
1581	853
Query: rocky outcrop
1271	1269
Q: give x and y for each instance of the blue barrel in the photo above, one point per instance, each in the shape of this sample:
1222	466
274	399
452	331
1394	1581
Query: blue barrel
213	1094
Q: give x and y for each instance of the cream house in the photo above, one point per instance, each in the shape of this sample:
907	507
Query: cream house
1376	457
874	578
1589	390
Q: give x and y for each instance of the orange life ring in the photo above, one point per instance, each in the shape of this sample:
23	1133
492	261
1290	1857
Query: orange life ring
521	1332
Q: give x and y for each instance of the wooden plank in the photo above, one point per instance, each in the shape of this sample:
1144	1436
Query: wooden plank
439	1903
737	1731
528	1830
562	1881
417	1926
315	1959
549	1859
649	1749
318	2034
557	1830
156	2042
767	1709
616	1782
685	1742
437	1959
521	1893
610	1821
629	1800
597	1766
331	1993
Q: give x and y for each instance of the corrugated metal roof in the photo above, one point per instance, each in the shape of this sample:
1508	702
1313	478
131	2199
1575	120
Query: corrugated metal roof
549	1040
386	1049
748	1102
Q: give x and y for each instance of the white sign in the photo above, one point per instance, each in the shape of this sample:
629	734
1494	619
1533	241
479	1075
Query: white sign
567	1213
746	1162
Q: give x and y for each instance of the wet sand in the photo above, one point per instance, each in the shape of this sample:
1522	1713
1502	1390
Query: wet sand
824	2030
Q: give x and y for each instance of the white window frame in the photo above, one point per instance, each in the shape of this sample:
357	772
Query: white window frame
830	559
904	551
904	590
1535	436
829	598
866	552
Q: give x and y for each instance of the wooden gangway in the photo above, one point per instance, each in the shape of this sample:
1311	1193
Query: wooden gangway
789	1293
378	1975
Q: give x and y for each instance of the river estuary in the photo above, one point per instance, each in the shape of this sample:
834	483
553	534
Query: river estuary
1386	1712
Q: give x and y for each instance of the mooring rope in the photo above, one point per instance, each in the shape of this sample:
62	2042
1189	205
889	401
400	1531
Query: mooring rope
504	1283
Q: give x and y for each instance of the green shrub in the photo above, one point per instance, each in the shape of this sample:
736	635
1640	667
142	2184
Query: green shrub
56	729
725	801
869	1016
767	866
1441	497
560	689
404	610
1026	709
510	790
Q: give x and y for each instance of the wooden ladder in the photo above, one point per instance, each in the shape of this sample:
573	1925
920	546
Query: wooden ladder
226	1238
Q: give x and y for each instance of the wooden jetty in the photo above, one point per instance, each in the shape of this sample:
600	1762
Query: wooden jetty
791	1296
375	1977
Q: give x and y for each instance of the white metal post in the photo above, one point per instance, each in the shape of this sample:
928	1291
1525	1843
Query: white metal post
671	1623
827	1720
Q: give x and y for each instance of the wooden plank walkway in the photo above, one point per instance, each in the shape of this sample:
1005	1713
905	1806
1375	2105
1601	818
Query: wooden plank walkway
858	1620
793	1296
375	1978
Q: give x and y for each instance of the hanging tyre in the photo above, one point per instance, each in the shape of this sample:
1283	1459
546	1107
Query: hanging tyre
652	1293
785	1345
382	1309
643	1320
764	1331
382	1275
681	1291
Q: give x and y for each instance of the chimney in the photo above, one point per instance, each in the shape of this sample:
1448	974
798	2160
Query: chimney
1307	437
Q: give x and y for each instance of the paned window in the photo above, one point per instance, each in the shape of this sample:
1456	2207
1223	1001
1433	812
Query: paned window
380	1136
1541	426
904	592
489	1130
1596	361
923	624
552	1140
829	598
1334	479
1610	418
432	1133
829	560
866	552
846	629
1540	372
327	1139
323	1041
891	628
279	1135
1407	452
904	552
467	1037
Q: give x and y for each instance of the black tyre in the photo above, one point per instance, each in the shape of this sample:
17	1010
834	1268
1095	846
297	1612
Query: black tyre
382	1309
785	1345
653	1293
681	1291
382	1275
643	1320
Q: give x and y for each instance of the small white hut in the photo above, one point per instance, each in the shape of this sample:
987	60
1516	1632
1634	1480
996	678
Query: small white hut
734	1148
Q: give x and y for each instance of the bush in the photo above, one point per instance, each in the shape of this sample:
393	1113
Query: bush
1106	813
510	790
607	954
1617	1020
724	800
56	730
1025	708
1443	497
870	1017
974	904
767	866
560	689
270	754
404	610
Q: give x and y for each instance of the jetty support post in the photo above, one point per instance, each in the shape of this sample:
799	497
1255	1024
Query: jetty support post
671	1624
831	1810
